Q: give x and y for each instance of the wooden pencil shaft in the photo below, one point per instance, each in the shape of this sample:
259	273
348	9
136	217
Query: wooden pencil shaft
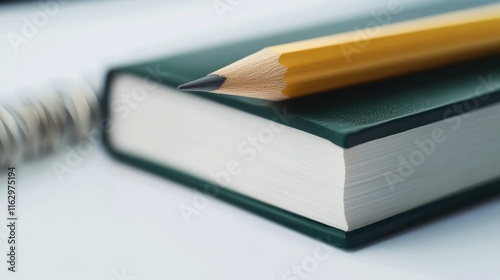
310	66
335	61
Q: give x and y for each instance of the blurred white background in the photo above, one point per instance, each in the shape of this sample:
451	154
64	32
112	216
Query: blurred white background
85	37
106	220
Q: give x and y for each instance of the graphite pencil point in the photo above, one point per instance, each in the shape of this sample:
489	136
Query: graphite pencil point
208	83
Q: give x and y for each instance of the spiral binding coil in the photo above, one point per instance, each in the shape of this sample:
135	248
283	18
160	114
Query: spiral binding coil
34	127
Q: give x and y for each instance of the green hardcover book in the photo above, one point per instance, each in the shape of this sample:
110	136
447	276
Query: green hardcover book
345	168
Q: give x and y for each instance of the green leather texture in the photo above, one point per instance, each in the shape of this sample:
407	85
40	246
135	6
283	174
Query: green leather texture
346	117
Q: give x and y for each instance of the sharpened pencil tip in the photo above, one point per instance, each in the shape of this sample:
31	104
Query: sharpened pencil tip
208	83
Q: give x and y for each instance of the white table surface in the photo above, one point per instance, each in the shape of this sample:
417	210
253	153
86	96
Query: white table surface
107	220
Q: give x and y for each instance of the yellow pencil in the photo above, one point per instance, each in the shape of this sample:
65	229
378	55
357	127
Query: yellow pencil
311	66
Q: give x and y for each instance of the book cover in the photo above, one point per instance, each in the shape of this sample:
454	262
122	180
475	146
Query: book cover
349	117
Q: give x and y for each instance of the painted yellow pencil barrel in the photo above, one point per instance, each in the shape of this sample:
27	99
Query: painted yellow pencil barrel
346	59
